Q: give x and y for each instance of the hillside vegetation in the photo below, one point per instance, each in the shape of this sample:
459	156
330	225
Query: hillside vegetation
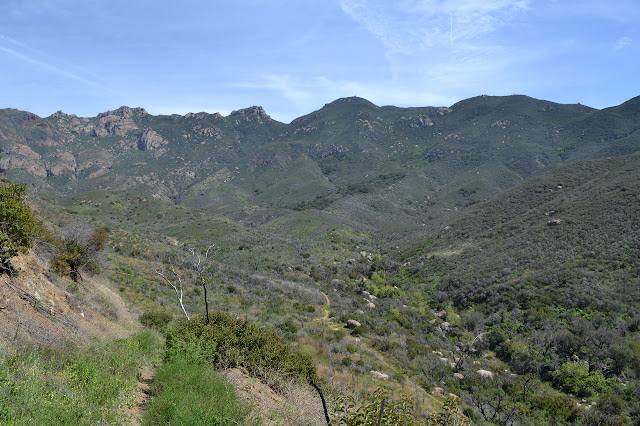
487	250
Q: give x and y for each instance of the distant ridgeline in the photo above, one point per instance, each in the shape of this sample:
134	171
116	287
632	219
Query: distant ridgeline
363	163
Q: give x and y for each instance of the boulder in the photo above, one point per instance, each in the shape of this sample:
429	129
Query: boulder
353	324
486	374
379	375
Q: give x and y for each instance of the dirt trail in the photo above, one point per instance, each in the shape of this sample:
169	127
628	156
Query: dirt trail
142	395
326	310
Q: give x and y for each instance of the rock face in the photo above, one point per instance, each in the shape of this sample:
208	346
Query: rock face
23	157
63	163
150	140
118	122
421	121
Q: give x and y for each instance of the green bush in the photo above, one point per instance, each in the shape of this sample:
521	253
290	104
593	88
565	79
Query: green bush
156	319
233	342
348	412
556	407
575	378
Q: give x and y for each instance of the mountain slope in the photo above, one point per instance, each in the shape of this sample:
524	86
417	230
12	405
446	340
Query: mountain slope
567	238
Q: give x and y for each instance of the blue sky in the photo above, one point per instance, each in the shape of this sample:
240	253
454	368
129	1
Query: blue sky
292	57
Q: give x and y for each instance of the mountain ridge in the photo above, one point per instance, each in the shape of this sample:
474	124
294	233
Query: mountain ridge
348	157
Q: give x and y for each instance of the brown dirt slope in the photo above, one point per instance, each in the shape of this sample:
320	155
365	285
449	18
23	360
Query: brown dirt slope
37	309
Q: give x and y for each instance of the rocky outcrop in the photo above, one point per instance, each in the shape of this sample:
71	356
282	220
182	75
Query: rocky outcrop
72	123
438	391
150	140
333	150
35	168
61	164
211	132
23	151
420	121
102	160
200	115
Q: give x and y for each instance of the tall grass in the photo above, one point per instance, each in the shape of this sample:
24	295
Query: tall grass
185	393
73	385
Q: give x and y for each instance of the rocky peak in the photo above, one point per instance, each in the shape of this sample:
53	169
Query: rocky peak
355	100
118	122
62	115
125	112
254	111
30	118
201	115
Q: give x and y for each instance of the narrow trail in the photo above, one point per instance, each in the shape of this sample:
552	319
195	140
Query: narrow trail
142	394
326	310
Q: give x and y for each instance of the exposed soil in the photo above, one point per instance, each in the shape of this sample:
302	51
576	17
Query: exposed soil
47	310
295	405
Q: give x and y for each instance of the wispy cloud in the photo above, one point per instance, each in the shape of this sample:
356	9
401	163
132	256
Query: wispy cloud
415	25
623	42
441	44
35	57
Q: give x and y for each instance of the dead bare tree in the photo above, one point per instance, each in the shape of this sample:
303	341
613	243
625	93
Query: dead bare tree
179	288
199	263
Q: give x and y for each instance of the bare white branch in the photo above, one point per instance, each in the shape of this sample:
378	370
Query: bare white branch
177	288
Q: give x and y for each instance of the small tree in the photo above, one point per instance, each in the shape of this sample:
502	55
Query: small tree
18	224
80	248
